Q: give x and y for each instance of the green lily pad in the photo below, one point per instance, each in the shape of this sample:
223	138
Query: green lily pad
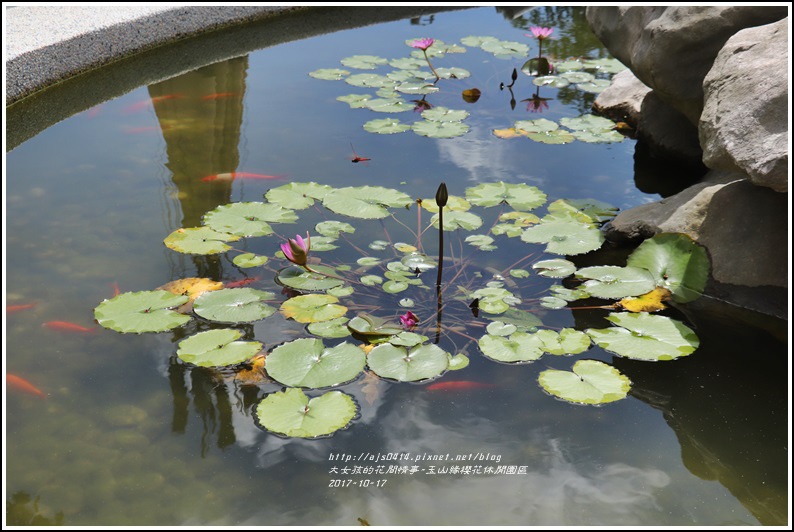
519	274
506	49
606	64
312	308
558	136
370	261
524	320
413	75
494	300
420	363
453	73
577	76
595	86
541	125
371	280
440	130
644	336
510	230
565	238
248	219
217	348
458	220
323	243
330	73
555	82
498	328
518	347
139	312
300	279
369	80
297	195
394	287
386	126
616	282
587	210
199	241
443	114
477	40
336	328
569	294
308	363
355	101
389	105
407	339
234	305
566	342
408	63
291	413
364	62
340	291
553	302
365	202
249	260
555	268
676	262
373	328
482	242
569	66
420	262
416	87
520	196
457	362
591	382
595	137
454	203
332	228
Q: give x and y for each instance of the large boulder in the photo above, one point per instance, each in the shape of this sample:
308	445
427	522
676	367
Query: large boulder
671	49
744	125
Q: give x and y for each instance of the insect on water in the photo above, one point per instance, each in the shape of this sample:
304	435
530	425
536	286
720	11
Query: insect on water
356	158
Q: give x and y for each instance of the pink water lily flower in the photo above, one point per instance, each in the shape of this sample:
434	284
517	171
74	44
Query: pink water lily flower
296	249
539	32
423	44
409	320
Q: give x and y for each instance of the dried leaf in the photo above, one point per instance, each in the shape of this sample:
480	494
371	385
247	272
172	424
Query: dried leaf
650	302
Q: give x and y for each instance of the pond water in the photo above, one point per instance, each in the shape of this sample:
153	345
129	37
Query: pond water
130	435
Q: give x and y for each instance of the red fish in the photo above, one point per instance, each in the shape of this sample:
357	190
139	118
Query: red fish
231	176
139	106
218	95
67	326
458	385
18	383
116	289
241	282
356	158
17	308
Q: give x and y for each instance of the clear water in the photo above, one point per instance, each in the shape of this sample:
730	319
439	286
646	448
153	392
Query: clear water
128	435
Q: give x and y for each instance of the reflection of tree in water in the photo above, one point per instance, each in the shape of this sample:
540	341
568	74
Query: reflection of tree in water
23	510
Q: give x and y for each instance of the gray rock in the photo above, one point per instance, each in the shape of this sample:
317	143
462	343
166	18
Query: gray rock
744	125
668	133
671	49
622	100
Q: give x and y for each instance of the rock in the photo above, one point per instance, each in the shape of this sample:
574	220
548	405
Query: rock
742	226
671	49
622	100
744	124
668	133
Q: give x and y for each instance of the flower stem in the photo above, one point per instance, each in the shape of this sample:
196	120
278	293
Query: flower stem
431	67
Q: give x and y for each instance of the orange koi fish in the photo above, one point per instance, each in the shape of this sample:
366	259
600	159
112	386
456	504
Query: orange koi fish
17	308
139	106
67	326
116	289
241	282
231	176
458	385
218	95
18	383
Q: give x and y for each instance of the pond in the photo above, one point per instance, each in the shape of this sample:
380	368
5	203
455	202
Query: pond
121	429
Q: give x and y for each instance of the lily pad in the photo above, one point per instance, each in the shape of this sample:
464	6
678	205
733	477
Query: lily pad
555	268
676	263
457	362
577	76
416	87
518	347
505	49
394	287
644	336
650	302
454	203
369	80
365	202
297	195
519	273
139	312
519	196
424	362
249	260
386	126
330	73
558	136
389	105
591	382
291	413
566	342
522	319
234	305
537	66
300	279
419	262
308	363
458	220
495	300
595	137
191	286
616	282
248	218
336	328
555	82
364	62
199	241
541	125
407	339
332	228
593	210
408	63
453	73
312	308
217	348
444	114
477	40
373	328
498	328
605	64
440	130
553	302
565	238
355	101
482	242
595	86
